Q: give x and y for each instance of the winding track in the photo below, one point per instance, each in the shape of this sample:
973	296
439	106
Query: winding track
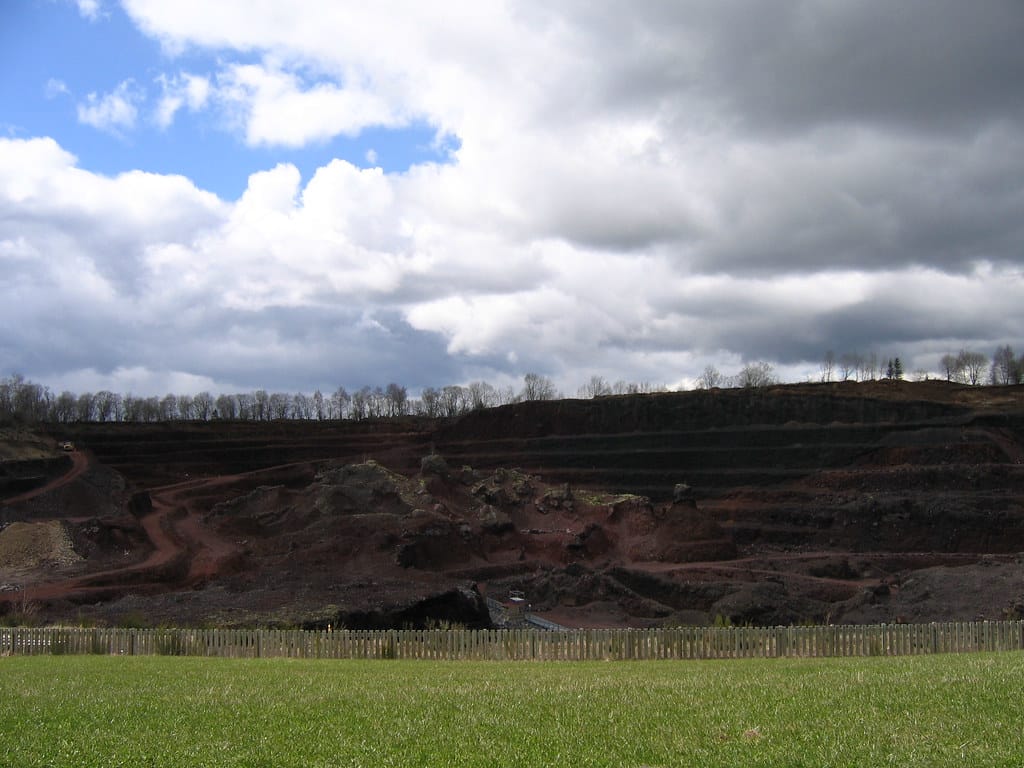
184	551
79	463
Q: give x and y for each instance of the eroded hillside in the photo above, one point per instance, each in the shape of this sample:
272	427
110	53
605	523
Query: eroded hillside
849	502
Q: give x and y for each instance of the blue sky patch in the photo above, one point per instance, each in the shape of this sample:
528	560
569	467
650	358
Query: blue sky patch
95	86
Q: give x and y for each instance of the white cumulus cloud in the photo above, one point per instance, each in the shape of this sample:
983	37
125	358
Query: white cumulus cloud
276	108
112	112
183	90
89	9
56	87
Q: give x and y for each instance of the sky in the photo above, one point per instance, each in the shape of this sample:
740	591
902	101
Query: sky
252	194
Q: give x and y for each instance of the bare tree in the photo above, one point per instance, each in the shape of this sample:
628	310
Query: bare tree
261	405
852	365
377	403
64	407
710	378
340	402
10	391
481	395
202	406
863	368
454	400
430	402
1006	369
596	387
537	387
149	409
7	387
130	407
506	395
278	406
974	365
227	406
758	374
84	407
24	400
871	366
107	406
396	400
169	407
361	403
185	407
828	366
302	408
246	405
952	367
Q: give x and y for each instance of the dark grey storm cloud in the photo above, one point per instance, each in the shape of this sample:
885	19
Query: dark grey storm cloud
819	135
918	65
299	349
926	66
874	202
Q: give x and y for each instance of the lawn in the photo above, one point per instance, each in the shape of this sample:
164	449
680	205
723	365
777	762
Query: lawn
160	711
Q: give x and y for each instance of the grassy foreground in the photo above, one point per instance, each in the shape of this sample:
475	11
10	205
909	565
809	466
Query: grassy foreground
159	711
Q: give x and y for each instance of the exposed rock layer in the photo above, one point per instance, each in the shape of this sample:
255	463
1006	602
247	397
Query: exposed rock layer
875	502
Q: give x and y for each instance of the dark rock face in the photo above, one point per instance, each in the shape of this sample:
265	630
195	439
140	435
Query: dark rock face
140	504
362	489
433	464
461	606
682	492
494	520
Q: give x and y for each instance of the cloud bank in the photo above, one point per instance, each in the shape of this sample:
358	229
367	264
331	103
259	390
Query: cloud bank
639	190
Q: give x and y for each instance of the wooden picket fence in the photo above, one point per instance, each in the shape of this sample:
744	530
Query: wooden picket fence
524	644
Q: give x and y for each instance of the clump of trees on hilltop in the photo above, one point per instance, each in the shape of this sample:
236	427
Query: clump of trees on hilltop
857	366
966	367
27	402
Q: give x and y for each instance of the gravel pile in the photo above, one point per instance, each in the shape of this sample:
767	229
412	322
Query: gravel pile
26	546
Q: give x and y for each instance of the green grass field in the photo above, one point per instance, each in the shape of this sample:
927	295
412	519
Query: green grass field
159	711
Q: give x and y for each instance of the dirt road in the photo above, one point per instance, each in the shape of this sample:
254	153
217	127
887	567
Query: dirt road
184	552
79	463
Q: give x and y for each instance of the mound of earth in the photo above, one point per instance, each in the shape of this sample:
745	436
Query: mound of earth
25	547
884	501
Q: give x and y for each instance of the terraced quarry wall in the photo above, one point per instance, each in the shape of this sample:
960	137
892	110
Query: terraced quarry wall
713	441
158	454
863	502
892	465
